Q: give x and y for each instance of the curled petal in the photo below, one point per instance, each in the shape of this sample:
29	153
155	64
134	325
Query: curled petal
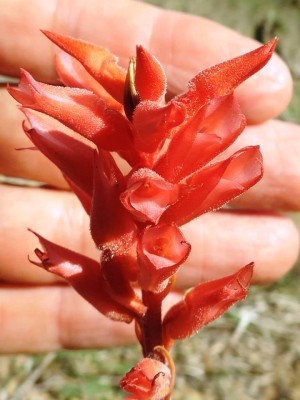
204	303
148	195
212	187
202	138
149	379
79	109
116	278
150	78
73	157
73	74
161	251
84	274
111	224
244	169
153	124
222	79
98	61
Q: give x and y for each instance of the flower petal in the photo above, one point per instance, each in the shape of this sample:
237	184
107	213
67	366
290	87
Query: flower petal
73	157
98	61
245	169
153	124
84	274
222	79
202	138
150	78
204	303
148	379
111	224
116	277
73	74
212	187
161	250
148	195
79	109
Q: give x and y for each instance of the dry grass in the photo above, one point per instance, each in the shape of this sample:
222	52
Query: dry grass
253	352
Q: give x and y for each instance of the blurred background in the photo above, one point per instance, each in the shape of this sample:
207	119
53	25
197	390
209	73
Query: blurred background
253	351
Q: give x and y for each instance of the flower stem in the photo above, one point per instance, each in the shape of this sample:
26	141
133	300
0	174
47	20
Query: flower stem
151	322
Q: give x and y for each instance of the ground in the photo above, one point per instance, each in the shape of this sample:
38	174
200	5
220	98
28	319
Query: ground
251	353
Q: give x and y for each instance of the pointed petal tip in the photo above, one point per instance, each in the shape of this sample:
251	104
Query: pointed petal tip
45	32
50	35
31	116
141	50
24	73
32	231
11	90
272	44
25	110
244	276
40	238
57	38
267	49
150	77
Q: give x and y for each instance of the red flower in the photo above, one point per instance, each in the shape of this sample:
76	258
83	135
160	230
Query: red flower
161	251
148	379
204	303
148	195
135	218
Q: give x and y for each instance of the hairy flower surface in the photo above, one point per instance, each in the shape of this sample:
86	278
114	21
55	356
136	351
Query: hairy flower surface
135	218
148	379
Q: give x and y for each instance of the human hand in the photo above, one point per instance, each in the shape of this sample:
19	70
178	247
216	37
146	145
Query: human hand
49	314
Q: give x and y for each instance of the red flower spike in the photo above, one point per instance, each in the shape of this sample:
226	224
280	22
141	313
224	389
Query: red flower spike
150	78
98	61
111	225
161	251
149	379
202	138
222	79
154	123
148	195
84	274
73	74
79	109
134	219
204	303
215	185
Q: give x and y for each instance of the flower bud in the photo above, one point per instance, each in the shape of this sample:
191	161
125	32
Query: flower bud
148	379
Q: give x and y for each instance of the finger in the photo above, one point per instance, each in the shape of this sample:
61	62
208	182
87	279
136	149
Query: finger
39	319
185	44
221	242
56	214
280	186
279	142
25	164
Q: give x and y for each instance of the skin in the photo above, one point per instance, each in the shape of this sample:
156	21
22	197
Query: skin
49	314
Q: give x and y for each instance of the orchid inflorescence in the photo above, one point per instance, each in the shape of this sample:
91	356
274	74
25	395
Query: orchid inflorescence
135	216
